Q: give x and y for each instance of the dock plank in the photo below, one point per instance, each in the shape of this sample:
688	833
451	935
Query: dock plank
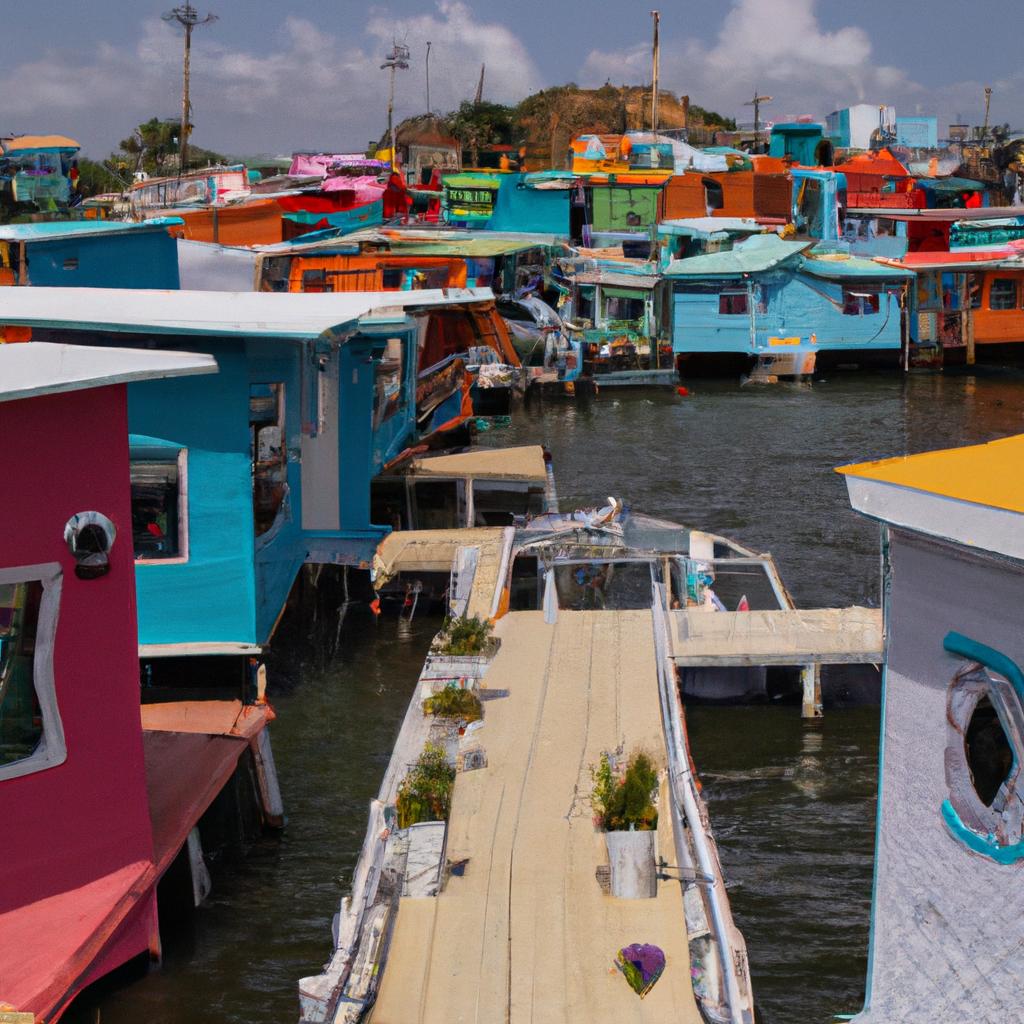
791	636
526	933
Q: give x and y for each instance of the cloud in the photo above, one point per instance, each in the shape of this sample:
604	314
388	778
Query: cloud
778	46
311	89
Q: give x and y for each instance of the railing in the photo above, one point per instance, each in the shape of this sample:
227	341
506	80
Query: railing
686	810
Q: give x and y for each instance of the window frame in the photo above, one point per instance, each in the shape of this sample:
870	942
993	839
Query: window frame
729	295
1014	305
52	749
183	526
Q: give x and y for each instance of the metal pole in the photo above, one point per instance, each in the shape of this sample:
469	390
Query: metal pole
655	58
391	108
183	162
428	76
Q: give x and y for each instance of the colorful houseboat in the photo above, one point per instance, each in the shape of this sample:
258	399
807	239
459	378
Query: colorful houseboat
945	916
770	298
99	803
241	478
90	254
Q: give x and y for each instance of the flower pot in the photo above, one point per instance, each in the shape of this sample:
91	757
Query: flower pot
632	860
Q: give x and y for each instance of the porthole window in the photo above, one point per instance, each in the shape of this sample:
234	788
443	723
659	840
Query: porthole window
984	747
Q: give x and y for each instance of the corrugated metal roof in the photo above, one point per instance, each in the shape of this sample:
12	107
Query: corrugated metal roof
248	314
619	279
757	253
48	230
42	368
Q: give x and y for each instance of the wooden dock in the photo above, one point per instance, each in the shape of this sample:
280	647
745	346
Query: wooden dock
526	933
809	638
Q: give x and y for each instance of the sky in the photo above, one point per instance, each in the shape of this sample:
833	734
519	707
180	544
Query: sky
269	78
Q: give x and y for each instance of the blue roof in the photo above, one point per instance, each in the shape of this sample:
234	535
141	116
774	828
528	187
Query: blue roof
845	267
756	254
48	230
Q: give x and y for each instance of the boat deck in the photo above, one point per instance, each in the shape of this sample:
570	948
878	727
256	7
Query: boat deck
525	932
790	636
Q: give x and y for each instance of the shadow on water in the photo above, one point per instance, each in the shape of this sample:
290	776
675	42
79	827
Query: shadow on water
792	806
268	920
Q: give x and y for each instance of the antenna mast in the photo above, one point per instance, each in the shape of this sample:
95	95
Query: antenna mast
397	58
756	104
655	59
188	17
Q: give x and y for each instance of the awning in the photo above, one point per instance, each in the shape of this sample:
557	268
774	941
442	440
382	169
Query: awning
524	463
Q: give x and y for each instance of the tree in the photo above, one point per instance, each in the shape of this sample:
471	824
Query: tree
153	147
95	178
477	125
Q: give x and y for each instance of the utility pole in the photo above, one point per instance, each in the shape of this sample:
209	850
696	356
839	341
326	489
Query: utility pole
655	58
480	87
188	17
397	58
428	76
756	104
988	104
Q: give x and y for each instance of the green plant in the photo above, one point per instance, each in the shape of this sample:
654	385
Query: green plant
464	636
452	702
626	802
425	794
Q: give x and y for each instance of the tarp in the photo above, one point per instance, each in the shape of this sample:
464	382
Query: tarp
757	253
318	163
366	186
207	267
840	267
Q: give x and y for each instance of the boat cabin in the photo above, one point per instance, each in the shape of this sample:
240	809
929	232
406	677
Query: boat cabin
771	297
241	478
90	254
945	920
38	170
81	861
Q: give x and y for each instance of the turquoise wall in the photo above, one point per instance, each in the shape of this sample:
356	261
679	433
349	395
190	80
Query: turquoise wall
211	597
796	305
125	259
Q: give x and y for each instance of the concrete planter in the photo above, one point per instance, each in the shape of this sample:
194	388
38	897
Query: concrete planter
632	859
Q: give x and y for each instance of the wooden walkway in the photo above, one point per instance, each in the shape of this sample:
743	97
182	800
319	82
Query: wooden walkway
823	636
525	933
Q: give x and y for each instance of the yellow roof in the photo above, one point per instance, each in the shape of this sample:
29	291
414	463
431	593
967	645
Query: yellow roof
523	463
983	474
30	142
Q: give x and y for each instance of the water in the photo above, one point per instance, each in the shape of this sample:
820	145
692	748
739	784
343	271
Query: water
792	805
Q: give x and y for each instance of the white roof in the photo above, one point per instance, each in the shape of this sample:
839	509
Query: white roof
273	314
35	368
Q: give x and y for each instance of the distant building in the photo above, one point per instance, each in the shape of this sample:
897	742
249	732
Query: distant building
863	126
917	132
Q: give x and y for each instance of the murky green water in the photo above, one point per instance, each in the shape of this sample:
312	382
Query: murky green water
792	806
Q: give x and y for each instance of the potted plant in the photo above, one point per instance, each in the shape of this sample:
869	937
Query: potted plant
462	706
462	649
623	799
425	794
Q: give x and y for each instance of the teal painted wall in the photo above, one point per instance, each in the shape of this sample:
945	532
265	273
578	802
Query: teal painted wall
125	259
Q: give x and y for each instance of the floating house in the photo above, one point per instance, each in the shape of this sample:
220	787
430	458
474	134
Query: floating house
945	918
862	126
37	169
802	142
818	202
769	297
97	809
506	201
90	254
762	190
241	478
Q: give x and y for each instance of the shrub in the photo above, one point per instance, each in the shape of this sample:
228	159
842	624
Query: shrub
425	794
627	802
452	702
464	636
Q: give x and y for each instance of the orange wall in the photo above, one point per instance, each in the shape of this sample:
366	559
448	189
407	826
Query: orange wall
999	326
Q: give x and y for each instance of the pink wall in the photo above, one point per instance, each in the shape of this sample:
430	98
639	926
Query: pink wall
66	825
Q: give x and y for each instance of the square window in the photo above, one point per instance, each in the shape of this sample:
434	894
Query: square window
1003	293
159	506
860	303
733	304
31	734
